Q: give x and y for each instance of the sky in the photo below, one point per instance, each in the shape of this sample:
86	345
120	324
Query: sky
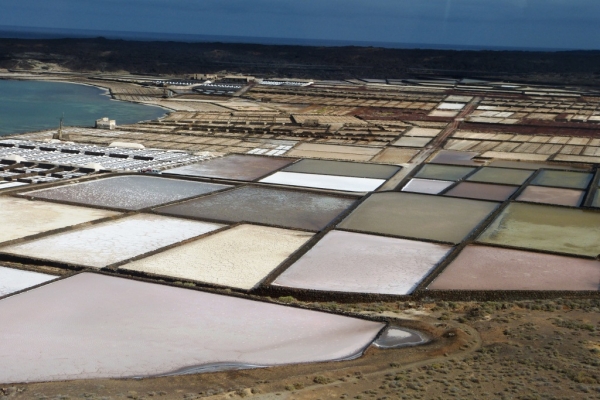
556	24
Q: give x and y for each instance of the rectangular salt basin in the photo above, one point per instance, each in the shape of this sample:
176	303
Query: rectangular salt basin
13	280
529	165
111	242
130	192
418	216
12	185
454	157
443	113
565	179
550	195
236	167
481	191
423	132
331	151
343	168
412	141
443	172
429	186
240	257
263	205
489	268
450	106
501	175
360	263
393	155
344	183
21	218
107	327
541	227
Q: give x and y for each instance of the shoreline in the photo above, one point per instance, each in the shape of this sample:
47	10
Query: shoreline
105	91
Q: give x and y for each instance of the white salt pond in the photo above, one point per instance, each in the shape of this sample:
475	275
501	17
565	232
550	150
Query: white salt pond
6	184
343	183
13	280
429	186
240	257
21	218
110	242
394	337
95	326
450	106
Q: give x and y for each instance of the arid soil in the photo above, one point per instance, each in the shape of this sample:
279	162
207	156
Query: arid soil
494	350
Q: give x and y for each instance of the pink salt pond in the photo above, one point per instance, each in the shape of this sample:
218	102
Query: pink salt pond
491	268
550	195
96	326
357	262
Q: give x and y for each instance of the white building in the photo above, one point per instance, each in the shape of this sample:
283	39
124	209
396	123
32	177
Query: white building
105	123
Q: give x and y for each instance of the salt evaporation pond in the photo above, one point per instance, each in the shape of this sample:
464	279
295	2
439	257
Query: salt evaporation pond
394	337
235	166
12	280
318	181
430	186
491	268
481	191
130	192
356	262
418	216
343	168
27	106
505	176
546	228
566	179
550	195
21	218
443	172
121	328
104	244
290	209
239	257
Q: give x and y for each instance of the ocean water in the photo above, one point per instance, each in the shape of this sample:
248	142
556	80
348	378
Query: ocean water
17	32
27	106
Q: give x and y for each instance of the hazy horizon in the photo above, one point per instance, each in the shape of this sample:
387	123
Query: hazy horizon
18	32
513	24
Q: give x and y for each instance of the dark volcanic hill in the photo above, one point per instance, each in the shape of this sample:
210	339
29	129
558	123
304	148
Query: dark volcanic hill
569	67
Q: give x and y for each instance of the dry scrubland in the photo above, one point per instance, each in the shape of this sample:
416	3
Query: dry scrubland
494	350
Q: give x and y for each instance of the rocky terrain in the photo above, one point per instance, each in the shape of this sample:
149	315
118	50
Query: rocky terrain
104	55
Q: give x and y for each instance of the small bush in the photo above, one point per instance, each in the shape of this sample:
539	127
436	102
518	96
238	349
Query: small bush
287	299
321	380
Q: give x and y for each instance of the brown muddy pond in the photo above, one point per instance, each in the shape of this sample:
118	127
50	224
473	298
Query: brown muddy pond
491	268
550	228
501	175
342	168
418	216
481	191
277	207
235	167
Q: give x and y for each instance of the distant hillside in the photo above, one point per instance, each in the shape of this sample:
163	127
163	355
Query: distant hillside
571	67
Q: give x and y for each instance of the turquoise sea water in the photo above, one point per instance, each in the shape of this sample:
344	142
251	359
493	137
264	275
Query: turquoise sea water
27	106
